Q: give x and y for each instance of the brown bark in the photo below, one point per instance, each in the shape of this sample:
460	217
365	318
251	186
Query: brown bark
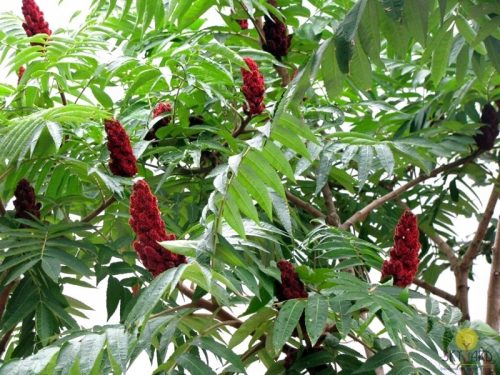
363	213
493	303
219	312
108	202
493	300
464	265
435	290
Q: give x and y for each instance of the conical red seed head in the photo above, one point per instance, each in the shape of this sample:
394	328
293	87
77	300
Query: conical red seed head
253	88
403	262
122	159
146	222
34	21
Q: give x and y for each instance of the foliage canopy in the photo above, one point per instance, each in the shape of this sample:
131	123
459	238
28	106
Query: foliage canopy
374	108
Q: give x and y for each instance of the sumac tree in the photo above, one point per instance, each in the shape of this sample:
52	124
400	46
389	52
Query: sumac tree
263	186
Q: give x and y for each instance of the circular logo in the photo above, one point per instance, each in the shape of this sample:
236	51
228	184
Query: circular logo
466	339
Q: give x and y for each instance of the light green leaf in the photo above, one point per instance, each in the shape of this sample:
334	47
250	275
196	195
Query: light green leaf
91	350
364	164
384	155
117	339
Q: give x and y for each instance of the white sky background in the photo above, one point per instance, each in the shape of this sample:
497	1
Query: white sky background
58	16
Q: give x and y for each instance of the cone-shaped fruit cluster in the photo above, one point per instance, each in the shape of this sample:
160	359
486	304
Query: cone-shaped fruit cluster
34	22
291	287
122	160
159	110
276	34
403	262
20	73
243	24
25	203
253	88
485	139
149	228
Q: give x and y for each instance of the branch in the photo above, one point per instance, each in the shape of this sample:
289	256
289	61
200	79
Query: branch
304	205
257	23
361	214
475	246
240	129
254	349
493	303
108	202
283	73
435	290
173	309
445	249
332	217
220	313
493	299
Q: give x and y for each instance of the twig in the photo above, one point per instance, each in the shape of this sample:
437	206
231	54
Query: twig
240	129
220	324
2	208
304	205
332	217
257	23
445	249
283	73
173	309
361	214
108	202
435	290
64	101
221	314
254	349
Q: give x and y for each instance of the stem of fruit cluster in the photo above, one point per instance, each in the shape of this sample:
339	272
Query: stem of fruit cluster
240	129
